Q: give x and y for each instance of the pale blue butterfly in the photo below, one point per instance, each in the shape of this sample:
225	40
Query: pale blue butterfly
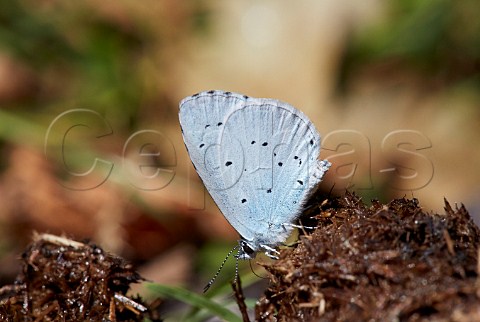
259	160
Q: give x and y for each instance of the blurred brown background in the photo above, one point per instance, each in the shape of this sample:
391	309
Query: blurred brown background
387	84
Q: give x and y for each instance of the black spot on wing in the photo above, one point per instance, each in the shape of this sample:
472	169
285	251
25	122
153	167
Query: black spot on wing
202	145
264	143
280	164
300	182
244	200
253	142
195	95
269	191
228	163
211	92
219	123
299	161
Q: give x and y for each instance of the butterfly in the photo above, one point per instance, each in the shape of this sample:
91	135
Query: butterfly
259	160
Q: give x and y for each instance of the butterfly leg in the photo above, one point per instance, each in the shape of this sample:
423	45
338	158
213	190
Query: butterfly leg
297	226
270	252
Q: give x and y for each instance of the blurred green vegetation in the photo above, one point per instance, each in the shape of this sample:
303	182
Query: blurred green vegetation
197	301
437	39
217	301
76	56
77	59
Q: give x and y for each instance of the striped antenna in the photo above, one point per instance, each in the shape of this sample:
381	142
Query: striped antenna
236	266
220	268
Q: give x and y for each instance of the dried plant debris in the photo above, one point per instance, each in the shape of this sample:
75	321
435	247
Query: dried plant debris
65	280
392	262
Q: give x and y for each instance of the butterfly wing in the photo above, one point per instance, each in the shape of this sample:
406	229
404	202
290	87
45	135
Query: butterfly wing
258	159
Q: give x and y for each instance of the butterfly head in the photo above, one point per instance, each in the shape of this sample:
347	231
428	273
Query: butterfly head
246	251
249	249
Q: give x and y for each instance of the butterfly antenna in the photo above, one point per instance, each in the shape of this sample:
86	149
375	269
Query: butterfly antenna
236	267
220	268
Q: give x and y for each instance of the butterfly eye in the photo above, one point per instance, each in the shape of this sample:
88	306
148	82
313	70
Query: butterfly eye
246	248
